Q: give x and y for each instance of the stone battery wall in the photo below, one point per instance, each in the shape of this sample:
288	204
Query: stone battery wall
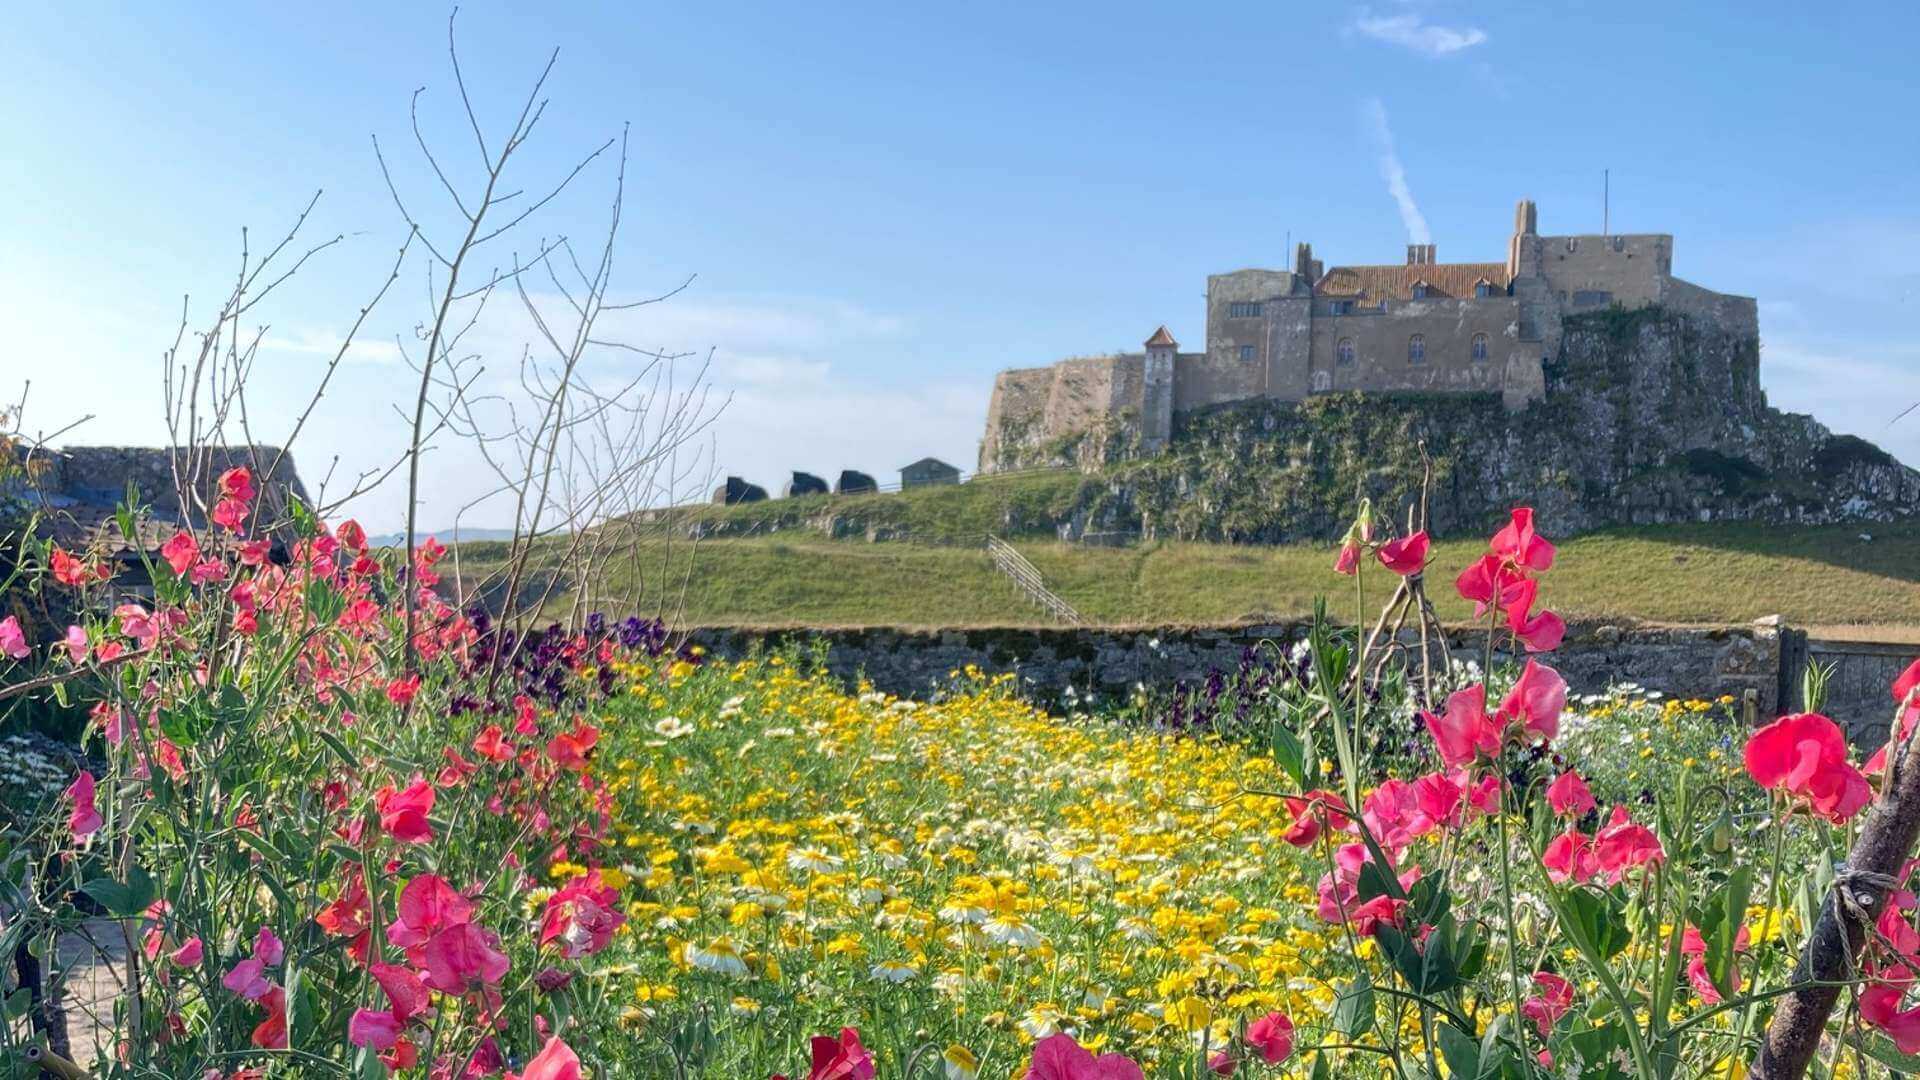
1688	661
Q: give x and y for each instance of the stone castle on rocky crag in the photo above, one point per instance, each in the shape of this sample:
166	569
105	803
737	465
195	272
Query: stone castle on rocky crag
1288	335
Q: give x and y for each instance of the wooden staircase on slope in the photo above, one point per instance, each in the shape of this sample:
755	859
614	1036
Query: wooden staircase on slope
1027	577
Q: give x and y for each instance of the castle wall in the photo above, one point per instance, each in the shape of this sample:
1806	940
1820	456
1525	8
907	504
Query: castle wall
1736	314
1290	348
1015	415
1221	374
1587	273
1446	328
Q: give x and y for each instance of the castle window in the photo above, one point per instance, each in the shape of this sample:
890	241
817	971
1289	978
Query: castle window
1246	352
1419	292
1479	346
1483	290
1243	309
1339	307
1343	351
1416	349
1573	244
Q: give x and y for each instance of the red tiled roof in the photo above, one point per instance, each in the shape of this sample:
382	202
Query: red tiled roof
1161	337
1397	282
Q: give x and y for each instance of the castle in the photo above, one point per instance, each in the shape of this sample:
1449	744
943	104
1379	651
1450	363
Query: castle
1425	326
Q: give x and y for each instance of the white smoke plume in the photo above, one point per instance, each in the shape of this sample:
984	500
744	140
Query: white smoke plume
1394	173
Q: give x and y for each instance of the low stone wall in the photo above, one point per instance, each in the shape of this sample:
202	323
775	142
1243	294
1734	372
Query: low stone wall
1674	660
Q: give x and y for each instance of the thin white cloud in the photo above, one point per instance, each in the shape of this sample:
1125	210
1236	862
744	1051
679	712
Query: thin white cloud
1860	388
1375	114
1410	31
323	343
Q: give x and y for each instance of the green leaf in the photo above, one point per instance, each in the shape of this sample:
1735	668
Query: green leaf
339	748
1290	754
1321	1071
324	601
1353	1010
305	525
1596	922
1461	1051
1880	1049
124	900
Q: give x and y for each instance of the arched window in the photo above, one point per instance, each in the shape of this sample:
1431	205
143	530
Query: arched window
1479	346
1416	350
1420	291
1343	352
1483	290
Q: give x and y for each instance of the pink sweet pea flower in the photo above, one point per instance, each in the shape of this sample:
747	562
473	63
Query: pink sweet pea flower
1272	1037
1693	945
1880	1006
369	1027
1348	561
403	814
1059	1057
1465	729
1569	796
463	957
840	1058
404	990
427	905
403	688
1536	700
181	552
1518	544
1570	858
1540	633
1805	755
248	978
76	644
267	947
1490	583
271	1033
557	1061
85	820
237	483
1407	555
13	640
189	954
1554	1000
582	916
230	514
1624	844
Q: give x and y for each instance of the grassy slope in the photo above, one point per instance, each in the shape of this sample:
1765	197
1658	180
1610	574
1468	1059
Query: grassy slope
1704	573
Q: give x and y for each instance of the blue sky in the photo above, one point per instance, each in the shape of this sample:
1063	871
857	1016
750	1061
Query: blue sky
885	204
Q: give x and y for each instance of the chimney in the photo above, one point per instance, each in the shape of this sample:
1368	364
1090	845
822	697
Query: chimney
1303	261
1526	218
1420	254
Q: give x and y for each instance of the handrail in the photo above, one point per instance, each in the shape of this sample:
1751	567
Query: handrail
1010	562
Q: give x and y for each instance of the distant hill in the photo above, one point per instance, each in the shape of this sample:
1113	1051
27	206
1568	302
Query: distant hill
445	536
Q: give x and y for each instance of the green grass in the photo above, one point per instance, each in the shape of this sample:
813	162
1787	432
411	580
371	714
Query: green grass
1722	573
1012	505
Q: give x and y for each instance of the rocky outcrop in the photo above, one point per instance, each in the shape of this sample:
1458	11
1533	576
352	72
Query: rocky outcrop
1650	416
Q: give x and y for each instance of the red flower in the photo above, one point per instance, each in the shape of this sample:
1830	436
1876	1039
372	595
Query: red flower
1880	1006
1805	754
491	744
68	570
840	1059
1465	729
1692	944
271	1034
1552	1002
1490	583
556	1061
1059	1057
403	814
1272	1036
181	553
402	689
1407	555
1569	795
